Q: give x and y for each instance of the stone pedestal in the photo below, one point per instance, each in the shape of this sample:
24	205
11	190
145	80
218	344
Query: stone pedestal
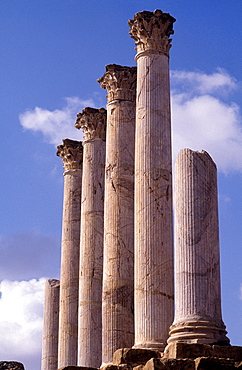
118	290
71	154
50	325
93	123
198	316
154	292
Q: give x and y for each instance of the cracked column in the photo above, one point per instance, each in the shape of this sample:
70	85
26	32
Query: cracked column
93	123
118	280
50	325
198	317
154	291
71	154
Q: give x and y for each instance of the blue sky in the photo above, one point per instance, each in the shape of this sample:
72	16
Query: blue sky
52	52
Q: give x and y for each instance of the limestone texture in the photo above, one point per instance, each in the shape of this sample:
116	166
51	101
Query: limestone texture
50	325
198	317
118	271
71	154
11	365
93	123
154	283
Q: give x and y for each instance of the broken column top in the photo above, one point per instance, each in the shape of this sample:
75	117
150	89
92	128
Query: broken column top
92	121
151	31
71	152
120	82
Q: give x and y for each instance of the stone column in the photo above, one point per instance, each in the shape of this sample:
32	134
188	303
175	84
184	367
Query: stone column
118	279
154	292
50	325
71	154
198	316
93	123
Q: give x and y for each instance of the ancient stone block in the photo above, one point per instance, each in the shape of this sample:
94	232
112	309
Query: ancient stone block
133	356
11	365
204	363
180	350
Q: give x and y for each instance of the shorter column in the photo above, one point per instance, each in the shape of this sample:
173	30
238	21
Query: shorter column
50	325
93	123
198	317
71	154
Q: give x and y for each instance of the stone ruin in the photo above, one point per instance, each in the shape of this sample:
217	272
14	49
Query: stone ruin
114	305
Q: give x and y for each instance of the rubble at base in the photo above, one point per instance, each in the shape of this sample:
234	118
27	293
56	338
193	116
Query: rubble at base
185	357
11	365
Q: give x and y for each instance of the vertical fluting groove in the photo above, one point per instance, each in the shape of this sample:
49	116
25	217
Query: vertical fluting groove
91	258
93	123
198	317
153	204
118	325
118	273
71	154
50	325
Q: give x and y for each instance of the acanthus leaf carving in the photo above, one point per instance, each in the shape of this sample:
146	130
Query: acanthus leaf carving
93	122
71	152
151	31
120	82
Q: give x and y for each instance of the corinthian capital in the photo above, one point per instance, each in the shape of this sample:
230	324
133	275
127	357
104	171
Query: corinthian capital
120	82
71	154
151	31
93	123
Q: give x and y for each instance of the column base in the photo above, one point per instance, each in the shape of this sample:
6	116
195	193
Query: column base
198	331
156	346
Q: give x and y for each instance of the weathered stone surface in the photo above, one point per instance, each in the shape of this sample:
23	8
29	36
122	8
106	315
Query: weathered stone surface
195	350
204	363
71	153
134	356
151	30
93	123
11	365
77	368
50	325
198	317
154	288
118	271
164	364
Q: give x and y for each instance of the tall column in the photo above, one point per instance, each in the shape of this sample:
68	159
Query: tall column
71	154
118	280
154	292
50	325
198	317
93	123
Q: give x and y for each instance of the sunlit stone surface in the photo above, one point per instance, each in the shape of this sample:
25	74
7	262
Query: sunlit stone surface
71	154
154	292
198	317
118	279
93	123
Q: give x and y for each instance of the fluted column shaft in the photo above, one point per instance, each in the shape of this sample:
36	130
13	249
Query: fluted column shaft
154	292
118	280
93	123
50	325
198	317
71	153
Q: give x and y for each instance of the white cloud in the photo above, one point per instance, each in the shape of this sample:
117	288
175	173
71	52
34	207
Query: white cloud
57	124
21	312
202	120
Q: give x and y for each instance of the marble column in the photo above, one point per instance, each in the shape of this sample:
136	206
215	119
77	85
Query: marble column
198	317
71	154
118	279
93	123
154	291
50	325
